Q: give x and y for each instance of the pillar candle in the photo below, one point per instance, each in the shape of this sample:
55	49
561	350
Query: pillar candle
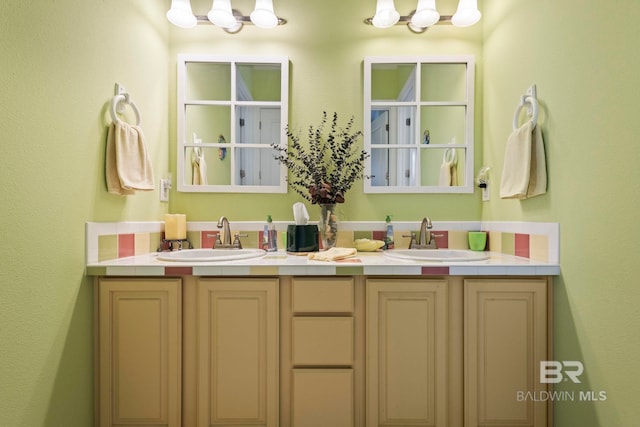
175	226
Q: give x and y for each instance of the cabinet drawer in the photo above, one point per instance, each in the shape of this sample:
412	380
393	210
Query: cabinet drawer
322	397
322	295
322	341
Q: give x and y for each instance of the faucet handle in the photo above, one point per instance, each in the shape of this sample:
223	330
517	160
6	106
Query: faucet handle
218	241
412	242
236	240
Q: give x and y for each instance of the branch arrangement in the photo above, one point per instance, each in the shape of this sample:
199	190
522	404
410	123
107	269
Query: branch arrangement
323	171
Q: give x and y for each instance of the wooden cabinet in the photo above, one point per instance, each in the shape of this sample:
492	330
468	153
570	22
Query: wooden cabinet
407	372
321	364
506	337
322	351
138	352
237	352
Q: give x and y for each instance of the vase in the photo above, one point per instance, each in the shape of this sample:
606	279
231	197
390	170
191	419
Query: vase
328	225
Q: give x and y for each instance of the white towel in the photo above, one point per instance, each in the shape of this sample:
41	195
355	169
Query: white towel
128	167
333	254
449	169
199	167
538	175
524	173
445	174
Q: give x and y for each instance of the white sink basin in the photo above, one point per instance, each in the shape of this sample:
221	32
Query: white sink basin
208	255
440	255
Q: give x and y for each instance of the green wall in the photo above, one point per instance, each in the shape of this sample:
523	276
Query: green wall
60	62
583	58
326	43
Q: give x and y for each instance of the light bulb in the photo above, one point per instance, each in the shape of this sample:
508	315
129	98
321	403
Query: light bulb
467	13
221	14
181	15
386	14
426	14
263	15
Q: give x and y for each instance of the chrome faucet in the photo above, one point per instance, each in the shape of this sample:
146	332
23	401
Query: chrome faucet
426	239
223	223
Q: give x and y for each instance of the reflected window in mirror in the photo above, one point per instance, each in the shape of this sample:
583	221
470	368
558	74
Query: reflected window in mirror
230	111
418	124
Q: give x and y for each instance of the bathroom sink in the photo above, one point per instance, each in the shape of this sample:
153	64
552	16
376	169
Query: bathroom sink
208	255
440	255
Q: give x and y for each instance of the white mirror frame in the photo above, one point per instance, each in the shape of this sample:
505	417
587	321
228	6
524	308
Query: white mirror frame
468	145
184	141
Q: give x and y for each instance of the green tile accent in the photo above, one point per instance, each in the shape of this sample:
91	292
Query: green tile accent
154	241
194	238
362	235
264	271
508	243
96	271
107	247
252	240
350	271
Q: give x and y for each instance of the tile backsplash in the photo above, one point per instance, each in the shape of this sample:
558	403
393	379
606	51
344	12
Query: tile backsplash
539	241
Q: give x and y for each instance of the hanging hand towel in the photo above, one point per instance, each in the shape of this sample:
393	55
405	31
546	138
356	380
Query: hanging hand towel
199	167
524	173
127	151
111	168
449	169
538	174
517	164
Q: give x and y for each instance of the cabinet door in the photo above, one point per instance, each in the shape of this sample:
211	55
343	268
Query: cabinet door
407	352
322	398
237	325
505	340
139	348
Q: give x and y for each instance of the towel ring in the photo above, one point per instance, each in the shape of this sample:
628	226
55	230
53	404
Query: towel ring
127	100
533	112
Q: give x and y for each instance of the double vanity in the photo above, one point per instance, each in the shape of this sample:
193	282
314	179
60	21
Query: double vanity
384	338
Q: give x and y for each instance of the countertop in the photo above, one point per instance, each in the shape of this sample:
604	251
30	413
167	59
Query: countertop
282	264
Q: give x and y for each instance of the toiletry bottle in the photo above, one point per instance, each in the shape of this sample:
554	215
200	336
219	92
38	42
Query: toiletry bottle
270	236
388	239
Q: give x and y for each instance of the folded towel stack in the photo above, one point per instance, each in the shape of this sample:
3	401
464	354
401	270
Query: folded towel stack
128	167
524	173
332	254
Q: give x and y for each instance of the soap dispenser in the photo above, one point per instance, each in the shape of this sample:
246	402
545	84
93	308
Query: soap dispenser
270	236
388	239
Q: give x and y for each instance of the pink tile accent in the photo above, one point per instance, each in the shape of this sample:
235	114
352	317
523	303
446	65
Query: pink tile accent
126	245
378	235
442	239
208	238
522	245
435	271
178	271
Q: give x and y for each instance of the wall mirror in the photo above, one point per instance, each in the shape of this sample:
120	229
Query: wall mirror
230	109
418	124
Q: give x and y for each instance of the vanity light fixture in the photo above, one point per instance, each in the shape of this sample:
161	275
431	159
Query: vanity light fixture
221	15
424	16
